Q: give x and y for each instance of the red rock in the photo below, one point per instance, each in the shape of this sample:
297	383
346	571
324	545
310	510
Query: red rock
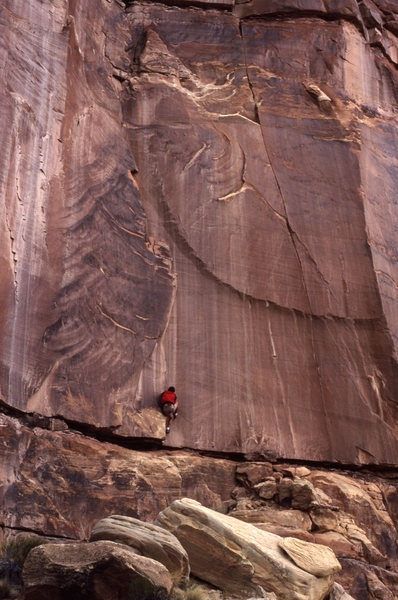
94	571
62	483
364	503
323	518
370	14
253	473
249	261
338	543
194	197
354	578
75	230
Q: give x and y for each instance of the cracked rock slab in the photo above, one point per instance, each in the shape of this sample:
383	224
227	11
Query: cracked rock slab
237	557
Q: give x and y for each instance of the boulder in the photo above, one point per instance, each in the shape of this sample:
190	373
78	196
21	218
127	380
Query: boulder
285	532
266	489
285	489
366	582
338	593
238	557
300	492
148	540
339	544
303	494
270	515
291	471
253	473
282	522
313	558
92	571
323	518
364	503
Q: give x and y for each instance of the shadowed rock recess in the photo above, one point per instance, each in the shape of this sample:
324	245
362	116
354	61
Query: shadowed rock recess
202	193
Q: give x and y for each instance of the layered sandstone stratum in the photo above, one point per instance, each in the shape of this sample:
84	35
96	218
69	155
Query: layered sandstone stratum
201	193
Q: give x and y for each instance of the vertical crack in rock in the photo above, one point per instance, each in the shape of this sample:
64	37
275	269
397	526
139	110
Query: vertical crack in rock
13	253
293	235
289	228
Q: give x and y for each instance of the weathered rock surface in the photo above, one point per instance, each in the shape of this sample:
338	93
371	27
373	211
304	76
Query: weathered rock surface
268	516
350	515
366	582
91	571
203	193
338	593
148	540
354	515
229	227
238	557
63	483
313	558
256	154
84	294
369	520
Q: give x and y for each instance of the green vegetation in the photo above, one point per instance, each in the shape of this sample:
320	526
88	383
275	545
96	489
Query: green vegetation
18	548
193	592
196	592
142	589
13	554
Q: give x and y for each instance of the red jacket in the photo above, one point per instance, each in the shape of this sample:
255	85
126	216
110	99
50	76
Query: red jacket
168	396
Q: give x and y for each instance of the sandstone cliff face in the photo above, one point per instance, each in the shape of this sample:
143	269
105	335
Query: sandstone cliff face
203	195
85	296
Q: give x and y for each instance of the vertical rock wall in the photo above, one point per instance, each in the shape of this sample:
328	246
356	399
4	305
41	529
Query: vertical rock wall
203	196
86	294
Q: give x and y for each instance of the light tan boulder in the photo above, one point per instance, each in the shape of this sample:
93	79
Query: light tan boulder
146	539
91	571
313	558
238	557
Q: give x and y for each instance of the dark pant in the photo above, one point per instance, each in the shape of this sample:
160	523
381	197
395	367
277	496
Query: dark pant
168	409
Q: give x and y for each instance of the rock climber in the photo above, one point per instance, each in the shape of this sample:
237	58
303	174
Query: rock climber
169	406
